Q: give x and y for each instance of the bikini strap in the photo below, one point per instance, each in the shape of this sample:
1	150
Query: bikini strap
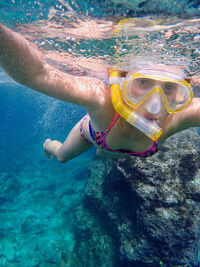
112	123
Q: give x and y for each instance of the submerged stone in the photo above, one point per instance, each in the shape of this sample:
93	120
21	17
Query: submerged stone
134	8
32	225
143	212
178	7
9	251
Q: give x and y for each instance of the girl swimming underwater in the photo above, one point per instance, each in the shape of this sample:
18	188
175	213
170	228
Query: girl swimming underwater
133	116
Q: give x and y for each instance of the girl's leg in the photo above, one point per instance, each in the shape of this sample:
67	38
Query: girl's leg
73	146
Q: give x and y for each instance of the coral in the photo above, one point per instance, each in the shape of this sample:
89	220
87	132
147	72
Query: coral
167	7
143	211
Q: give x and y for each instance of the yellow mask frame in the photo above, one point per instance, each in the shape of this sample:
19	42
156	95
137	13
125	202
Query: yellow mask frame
157	89
151	129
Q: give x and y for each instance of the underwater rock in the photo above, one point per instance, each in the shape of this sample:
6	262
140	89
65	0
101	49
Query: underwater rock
143	212
32	225
178	7
134	8
9	250
9	188
49	247
94	245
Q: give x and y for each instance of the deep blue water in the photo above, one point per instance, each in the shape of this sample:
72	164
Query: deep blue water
28	117
35	193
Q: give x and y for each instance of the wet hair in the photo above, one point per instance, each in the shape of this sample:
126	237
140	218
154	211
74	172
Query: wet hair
180	71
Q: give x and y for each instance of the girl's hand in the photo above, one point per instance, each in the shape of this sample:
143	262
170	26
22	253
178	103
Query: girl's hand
47	153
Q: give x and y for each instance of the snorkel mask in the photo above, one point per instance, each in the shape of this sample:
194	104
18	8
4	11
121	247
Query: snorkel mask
159	87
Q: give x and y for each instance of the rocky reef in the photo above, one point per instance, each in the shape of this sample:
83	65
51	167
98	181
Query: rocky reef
143	212
178	7
134	8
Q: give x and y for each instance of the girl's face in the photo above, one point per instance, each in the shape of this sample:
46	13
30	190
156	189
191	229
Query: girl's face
154	106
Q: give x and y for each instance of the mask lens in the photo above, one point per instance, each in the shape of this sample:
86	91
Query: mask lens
137	88
176	94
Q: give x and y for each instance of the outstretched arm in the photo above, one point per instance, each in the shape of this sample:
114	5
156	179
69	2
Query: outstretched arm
195	80
25	64
189	117
192	113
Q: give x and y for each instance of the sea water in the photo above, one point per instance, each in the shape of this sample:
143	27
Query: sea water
38	196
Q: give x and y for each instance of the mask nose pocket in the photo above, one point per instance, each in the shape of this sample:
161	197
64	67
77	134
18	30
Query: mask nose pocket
154	105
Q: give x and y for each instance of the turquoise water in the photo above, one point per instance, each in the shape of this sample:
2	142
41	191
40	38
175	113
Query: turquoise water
38	196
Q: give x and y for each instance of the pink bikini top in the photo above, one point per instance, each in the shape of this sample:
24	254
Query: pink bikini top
100	139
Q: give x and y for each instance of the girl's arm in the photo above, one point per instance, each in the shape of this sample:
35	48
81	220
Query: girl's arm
25	64
189	117
195	80
192	113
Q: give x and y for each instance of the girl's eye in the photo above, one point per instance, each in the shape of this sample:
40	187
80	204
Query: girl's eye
169	87
144	83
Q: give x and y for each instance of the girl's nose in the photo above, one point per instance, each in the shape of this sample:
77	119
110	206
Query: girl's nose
154	105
